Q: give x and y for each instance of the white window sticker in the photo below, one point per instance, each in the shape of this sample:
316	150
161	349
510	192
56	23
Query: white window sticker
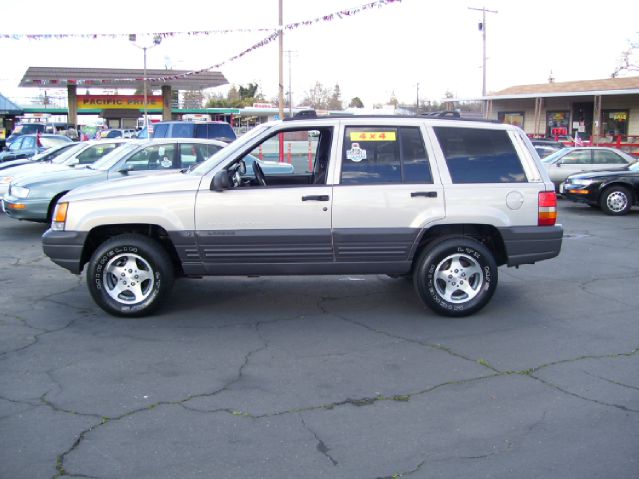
166	163
356	153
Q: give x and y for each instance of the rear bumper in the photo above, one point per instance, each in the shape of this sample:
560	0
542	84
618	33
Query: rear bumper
529	244
65	248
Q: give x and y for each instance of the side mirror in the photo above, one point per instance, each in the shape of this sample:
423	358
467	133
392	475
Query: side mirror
125	169
221	181
74	162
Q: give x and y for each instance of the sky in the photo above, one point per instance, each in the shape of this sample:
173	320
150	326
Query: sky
372	55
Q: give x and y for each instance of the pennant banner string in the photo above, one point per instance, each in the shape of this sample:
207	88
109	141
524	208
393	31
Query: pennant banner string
290	26
265	41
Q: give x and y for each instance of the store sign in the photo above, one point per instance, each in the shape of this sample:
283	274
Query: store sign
127	102
619	116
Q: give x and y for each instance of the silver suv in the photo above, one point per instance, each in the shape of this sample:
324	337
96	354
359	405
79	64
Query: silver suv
444	201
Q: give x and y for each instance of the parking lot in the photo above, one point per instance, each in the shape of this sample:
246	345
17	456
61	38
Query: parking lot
341	377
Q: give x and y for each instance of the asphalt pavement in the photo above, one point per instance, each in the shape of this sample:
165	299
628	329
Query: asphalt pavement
327	377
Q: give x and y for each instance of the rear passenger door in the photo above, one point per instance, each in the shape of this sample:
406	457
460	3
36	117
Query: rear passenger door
386	190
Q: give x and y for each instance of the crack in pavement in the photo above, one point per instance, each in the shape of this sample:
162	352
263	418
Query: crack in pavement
61	471
36	338
406	473
321	445
570	393
611	381
435	346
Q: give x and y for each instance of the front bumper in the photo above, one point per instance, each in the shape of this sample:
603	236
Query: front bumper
25	208
580	194
65	248
529	244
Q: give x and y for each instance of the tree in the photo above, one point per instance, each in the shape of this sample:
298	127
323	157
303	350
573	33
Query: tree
629	61
356	103
335	100
193	99
316	97
236	98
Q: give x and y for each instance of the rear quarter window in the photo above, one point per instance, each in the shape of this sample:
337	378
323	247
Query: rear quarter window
475	155
160	131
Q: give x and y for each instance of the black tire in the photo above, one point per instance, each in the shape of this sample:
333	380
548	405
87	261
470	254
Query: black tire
455	291
141	287
616	201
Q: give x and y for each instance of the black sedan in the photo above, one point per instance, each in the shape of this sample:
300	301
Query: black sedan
613	191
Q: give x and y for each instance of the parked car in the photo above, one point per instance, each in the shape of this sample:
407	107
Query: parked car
117	133
216	130
25	146
445	201
613	191
568	161
25	129
33	197
47	155
546	147
79	155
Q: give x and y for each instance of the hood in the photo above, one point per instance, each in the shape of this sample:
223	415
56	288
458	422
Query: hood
51	177
32	168
136	185
603	174
11	163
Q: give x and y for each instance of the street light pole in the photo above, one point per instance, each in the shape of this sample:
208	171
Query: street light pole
146	116
157	39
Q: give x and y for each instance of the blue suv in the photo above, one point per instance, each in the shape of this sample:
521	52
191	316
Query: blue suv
213	130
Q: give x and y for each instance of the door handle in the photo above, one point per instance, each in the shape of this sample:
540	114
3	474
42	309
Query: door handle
427	194
315	198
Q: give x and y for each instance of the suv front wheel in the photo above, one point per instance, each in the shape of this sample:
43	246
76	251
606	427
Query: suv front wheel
130	275
456	276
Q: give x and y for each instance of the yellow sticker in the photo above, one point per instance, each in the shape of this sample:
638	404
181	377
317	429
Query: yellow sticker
373	136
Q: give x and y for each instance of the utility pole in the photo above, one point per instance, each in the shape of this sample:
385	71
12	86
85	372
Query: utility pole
482	28
281	55
290	88
417	102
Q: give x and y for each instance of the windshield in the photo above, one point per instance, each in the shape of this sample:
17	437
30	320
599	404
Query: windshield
555	156
224	153
50	141
66	154
110	159
52	153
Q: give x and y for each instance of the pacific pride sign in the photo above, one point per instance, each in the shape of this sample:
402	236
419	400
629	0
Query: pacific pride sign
127	102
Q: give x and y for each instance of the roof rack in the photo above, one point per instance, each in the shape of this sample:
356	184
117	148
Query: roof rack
441	115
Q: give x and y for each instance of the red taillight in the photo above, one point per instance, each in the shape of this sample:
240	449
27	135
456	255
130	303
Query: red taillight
547	215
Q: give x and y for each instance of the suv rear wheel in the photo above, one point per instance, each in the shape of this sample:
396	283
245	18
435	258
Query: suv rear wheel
456	276
130	275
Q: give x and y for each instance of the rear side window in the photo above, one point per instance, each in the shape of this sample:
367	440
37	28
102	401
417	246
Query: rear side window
182	130
376	155
608	157
476	155
160	131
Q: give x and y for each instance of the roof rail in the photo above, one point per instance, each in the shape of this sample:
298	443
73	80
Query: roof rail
443	114
302	115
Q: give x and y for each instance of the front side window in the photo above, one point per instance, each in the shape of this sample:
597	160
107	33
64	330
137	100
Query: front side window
28	142
155	157
384	155
577	157
475	155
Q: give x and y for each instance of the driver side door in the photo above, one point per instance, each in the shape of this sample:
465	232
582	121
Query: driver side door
282	227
